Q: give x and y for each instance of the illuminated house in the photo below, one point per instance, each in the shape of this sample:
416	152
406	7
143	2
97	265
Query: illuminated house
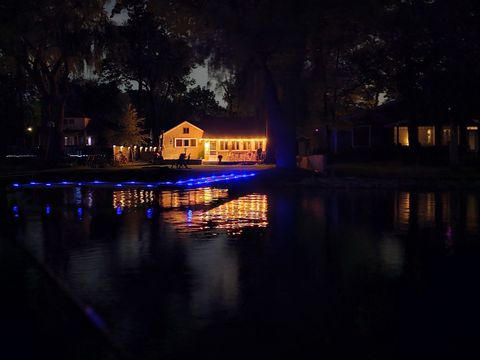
241	140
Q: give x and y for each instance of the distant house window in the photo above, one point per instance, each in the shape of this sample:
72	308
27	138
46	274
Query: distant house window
193	142
186	142
446	135
400	135
235	145
223	145
178	142
426	135
472	138
186	130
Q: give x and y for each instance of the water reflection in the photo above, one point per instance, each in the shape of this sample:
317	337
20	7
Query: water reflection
131	198
233	216
401	210
167	199
201	196
202	267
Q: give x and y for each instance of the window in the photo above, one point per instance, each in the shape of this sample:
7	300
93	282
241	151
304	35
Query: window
185	142
472	138
235	145
426	135
400	135
223	145
186	130
446	135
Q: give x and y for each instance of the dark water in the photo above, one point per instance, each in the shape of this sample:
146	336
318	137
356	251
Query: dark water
291	274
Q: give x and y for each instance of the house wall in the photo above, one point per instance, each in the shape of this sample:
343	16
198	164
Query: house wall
171	148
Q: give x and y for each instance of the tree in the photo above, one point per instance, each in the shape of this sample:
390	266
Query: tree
103	102
153	58
129	130
200	102
53	41
427	51
265	44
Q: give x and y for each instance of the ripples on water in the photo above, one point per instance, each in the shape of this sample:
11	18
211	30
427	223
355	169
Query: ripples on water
169	268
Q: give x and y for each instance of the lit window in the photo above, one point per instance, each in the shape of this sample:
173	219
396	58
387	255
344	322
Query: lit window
178	142
400	135
193	142
472	138
446	135
186	130
426	135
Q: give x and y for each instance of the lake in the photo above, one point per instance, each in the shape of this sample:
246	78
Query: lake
290	273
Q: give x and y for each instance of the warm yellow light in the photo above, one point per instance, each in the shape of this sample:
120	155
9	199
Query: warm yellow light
29	129
235	139
472	127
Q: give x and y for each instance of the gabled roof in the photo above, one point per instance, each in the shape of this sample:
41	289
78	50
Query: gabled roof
228	127
183	123
233	127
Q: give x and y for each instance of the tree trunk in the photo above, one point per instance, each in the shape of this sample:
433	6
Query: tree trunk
154	118
51	137
281	133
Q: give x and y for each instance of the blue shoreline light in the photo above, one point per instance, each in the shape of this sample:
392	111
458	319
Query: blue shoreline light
204	180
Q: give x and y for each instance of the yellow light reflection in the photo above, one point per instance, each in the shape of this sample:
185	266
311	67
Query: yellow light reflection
402	210
130	198
168	199
426	209
233	216
203	196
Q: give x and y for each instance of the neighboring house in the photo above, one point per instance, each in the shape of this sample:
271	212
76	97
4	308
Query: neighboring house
76	132
440	135
237	140
387	127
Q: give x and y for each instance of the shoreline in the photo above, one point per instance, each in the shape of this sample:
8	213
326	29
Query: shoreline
267	176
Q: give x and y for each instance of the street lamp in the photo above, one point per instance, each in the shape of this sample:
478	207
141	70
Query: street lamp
29	129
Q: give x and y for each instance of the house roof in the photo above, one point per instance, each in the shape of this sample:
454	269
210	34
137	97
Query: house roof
226	127
236	127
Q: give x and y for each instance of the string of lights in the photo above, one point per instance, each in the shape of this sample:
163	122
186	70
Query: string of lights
189	183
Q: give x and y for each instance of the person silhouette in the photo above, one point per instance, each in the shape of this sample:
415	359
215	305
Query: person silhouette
185	162
259	154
